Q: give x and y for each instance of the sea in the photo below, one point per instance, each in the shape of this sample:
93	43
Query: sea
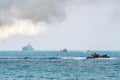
57	65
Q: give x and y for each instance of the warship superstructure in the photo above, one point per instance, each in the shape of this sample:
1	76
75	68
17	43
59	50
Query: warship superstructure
28	47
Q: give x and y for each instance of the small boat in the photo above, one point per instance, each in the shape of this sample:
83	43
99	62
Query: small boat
86	51
95	55
64	50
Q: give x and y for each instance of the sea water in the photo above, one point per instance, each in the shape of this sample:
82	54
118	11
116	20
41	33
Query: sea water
56	65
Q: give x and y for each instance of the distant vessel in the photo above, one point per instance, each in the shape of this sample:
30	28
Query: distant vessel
86	51
28	48
64	50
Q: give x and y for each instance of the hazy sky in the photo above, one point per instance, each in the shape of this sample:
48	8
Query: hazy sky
58	24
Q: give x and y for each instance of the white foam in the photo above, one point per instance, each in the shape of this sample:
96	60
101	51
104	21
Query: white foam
76	58
112	58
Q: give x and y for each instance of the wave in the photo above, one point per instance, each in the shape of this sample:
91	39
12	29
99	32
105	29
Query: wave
77	58
43	58
73	58
56	58
111	58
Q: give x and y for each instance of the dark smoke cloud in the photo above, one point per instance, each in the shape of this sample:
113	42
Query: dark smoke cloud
35	13
27	17
35	10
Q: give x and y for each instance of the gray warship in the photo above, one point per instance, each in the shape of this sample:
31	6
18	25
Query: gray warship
28	47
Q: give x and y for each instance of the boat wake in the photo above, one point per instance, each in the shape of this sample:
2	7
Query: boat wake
112	58
66	58
26	57
76	58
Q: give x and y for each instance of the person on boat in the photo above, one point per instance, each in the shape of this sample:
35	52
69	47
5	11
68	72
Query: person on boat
95	55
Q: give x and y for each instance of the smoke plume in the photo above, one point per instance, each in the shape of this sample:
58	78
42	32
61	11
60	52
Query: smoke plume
21	27
26	17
